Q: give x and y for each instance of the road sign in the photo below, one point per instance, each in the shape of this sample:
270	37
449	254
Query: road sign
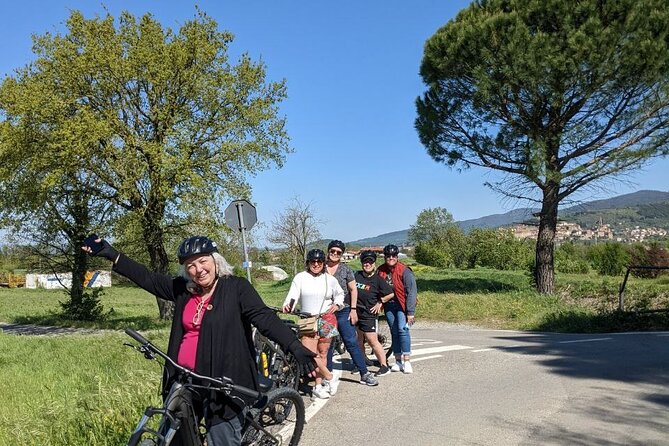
241	214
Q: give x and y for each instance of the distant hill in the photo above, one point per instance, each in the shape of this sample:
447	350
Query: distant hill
644	208
396	238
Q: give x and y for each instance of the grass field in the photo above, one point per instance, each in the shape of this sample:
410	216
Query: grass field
90	389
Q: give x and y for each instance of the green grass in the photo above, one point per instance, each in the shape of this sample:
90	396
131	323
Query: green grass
128	307
74	389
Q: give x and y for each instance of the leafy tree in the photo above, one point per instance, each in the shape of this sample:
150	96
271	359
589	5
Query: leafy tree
431	223
554	95
439	240
295	229
164	126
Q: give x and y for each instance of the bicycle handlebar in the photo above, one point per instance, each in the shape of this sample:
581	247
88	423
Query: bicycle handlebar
299	314
224	383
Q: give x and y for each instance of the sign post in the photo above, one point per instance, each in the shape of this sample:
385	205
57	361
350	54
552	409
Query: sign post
241	215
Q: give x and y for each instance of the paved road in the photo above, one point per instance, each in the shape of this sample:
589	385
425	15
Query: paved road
485	387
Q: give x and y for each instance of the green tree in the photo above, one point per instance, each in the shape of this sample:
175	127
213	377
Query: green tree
438	238
172	127
431	223
553	95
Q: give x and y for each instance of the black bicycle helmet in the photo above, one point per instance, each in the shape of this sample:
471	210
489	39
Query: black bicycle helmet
367	254
316	254
391	250
337	244
197	244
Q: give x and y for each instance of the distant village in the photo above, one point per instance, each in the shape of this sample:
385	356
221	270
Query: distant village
566	231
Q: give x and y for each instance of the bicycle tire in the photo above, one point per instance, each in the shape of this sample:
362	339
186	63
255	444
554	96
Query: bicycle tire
282	416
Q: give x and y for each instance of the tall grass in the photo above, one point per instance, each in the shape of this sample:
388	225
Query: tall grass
74	389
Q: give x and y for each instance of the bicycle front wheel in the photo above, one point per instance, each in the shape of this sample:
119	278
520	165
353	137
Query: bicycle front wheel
279	422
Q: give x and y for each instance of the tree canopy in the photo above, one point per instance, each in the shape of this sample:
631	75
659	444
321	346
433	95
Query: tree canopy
159	124
554	95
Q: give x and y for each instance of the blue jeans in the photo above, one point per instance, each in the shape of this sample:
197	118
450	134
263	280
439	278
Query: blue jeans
226	433
399	329
350	338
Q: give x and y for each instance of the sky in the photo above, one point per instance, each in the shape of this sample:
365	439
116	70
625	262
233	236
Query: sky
351	69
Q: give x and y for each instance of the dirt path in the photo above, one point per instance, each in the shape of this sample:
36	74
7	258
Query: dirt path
39	330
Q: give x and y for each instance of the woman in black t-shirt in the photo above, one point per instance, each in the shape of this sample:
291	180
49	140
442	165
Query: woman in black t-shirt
373	292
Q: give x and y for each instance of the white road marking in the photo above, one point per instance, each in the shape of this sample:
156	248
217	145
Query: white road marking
446	348
317	403
423	358
415	344
482	350
585	340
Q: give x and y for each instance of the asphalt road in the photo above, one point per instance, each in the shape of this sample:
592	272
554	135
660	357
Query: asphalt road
485	387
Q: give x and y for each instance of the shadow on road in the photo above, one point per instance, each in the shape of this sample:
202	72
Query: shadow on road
636	361
614	421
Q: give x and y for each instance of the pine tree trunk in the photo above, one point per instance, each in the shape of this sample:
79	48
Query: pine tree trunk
544	274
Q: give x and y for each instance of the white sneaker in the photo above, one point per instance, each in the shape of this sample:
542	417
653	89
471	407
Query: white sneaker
407	367
397	367
331	385
320	391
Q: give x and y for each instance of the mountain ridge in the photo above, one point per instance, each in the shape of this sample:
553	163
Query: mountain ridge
583	211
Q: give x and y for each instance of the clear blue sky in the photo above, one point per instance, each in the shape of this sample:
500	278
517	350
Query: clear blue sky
352	74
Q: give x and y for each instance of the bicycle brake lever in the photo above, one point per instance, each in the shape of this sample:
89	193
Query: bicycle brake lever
148	354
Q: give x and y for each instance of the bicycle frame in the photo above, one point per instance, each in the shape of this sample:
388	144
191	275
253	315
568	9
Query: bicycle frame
177	411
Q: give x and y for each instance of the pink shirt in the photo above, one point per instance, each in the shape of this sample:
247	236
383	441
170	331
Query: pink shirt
188	348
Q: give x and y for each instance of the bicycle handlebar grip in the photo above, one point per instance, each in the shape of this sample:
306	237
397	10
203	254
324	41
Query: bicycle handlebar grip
136	336
246	391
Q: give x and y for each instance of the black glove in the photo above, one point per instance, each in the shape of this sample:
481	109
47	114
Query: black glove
303	356
101	248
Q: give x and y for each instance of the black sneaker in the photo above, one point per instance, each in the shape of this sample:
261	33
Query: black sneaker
383	371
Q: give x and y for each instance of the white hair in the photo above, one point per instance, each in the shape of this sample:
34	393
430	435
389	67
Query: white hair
223	269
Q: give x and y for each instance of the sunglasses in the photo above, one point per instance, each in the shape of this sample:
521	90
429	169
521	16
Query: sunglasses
391	255
335	252
368	261
313	262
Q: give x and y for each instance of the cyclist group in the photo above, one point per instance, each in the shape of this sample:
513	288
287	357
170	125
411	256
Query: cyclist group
211	332
348	304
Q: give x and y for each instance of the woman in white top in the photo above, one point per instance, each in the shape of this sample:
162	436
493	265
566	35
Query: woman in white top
318	294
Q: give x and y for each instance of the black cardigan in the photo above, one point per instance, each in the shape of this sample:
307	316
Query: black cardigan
225	346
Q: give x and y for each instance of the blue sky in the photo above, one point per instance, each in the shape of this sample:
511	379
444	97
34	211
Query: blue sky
352	75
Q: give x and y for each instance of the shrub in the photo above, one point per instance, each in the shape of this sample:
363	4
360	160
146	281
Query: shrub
654	255
88	308
499	249
570	259
609	259
432	255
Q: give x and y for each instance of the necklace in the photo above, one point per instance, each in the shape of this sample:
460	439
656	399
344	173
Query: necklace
200	309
